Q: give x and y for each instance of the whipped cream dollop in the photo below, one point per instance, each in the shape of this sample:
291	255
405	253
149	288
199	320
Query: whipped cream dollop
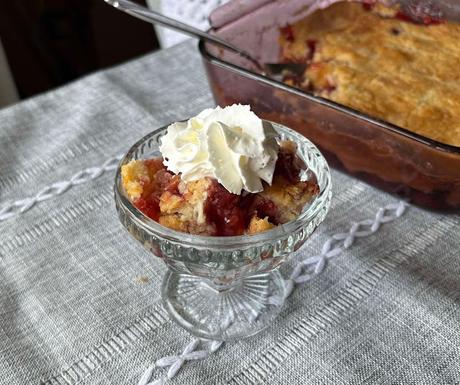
229	144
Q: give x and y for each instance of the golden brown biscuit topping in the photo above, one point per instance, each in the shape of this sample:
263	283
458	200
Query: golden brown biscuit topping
373	59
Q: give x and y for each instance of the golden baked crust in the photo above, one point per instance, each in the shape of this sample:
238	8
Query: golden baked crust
135	175
289	198
184	212
405	73
139	177
258	225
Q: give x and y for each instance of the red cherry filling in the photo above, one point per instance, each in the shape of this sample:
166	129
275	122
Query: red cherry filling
311	44
263	207
161	180
150	206
330	87
222	209
288	33
368	6
230	214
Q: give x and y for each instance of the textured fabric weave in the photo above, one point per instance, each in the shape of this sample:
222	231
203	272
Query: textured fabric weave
80	299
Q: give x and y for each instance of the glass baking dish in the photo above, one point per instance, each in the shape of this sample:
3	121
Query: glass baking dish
421	170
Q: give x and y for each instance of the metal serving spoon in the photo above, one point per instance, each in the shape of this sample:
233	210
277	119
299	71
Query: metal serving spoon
143	13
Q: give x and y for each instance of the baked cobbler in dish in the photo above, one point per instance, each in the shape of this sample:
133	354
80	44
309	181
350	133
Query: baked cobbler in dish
376	60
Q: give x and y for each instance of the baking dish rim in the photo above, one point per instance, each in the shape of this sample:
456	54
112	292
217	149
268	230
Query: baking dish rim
326	102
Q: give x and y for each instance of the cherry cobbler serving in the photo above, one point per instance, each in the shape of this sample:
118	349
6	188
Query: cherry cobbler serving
222	173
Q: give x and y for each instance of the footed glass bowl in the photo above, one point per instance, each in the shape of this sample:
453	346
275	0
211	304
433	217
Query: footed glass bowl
225	288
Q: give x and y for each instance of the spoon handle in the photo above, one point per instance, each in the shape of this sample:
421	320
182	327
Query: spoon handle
146	14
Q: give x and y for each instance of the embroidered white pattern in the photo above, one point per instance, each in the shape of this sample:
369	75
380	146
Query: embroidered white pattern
88	174
174	363
337	243
303	271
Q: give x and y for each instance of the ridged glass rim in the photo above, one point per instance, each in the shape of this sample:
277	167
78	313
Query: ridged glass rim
222	242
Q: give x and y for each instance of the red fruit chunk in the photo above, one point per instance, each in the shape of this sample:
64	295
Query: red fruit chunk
266	208
173	186
402	16
311	44
368	6
330	87
222	209
166	181
154	165
150	206
428	20
288	33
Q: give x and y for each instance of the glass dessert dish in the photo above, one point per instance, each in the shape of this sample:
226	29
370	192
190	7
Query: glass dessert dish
225	287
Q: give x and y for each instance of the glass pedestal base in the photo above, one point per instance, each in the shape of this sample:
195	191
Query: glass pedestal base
223	312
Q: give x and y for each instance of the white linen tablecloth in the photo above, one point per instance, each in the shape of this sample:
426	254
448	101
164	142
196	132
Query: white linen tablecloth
80	299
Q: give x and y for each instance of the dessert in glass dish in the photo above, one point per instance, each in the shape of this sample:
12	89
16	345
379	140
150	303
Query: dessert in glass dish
223	199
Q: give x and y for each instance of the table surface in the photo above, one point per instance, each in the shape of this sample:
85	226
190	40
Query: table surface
80	299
